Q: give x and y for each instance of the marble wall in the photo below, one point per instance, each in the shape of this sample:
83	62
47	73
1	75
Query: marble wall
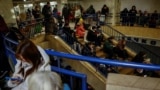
7	12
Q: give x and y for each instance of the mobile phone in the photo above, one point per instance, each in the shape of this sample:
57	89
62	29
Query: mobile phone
10	78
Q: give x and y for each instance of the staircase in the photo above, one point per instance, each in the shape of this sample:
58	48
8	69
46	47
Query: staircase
101	54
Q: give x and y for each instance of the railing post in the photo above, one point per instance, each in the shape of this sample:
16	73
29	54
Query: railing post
84	84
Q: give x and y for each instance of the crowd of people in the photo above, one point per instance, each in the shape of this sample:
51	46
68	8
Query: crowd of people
129	17
92	34
33	62
138	17
66	15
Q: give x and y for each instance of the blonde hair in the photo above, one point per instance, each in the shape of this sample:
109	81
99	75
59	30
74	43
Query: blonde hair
80	21
44	80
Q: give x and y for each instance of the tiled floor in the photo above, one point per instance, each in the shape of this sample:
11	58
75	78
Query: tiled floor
127	82
139	31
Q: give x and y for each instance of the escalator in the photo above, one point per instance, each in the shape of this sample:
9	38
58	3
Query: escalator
94	78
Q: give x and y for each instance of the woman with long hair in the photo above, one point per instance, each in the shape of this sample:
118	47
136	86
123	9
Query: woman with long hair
30	58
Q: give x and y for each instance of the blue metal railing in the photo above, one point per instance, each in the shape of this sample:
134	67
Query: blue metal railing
11	56
8	43
103	61
88	59
72	73
118	35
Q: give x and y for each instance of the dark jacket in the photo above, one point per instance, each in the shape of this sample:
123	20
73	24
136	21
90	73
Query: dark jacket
105	11
90	10
91	36
65	12
46	11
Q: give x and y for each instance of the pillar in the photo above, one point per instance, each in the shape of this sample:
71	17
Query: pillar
7	11
114	8
61	4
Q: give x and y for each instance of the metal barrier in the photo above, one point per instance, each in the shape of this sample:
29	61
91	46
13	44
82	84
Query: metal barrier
84	58
109	31
103	61
140	19
132	44
71	73
30	28
12	60
8	43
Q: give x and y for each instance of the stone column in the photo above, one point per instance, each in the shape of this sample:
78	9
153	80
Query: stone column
117	11
114	8
60	4
7	11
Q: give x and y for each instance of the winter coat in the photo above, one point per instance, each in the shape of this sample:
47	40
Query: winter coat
24	85
80	31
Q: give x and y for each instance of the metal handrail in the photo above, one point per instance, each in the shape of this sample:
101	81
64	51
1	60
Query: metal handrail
29	29
103	61
72	73
90	59
118	35
10	53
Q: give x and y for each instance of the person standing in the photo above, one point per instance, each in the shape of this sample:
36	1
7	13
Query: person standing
124	17
36	13
105	11
47	13
91	14
132	15
65	13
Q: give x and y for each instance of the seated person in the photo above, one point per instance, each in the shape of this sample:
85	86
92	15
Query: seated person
87	27
99	37
30	58
70	34
80	30
67	28
121	53
88	49
108	47
94	35
44	80
144	72
91	35
141	57
120	50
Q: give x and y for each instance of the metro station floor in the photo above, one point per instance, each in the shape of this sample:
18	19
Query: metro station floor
139	31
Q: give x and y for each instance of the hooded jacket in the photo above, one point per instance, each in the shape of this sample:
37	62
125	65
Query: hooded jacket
23	85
